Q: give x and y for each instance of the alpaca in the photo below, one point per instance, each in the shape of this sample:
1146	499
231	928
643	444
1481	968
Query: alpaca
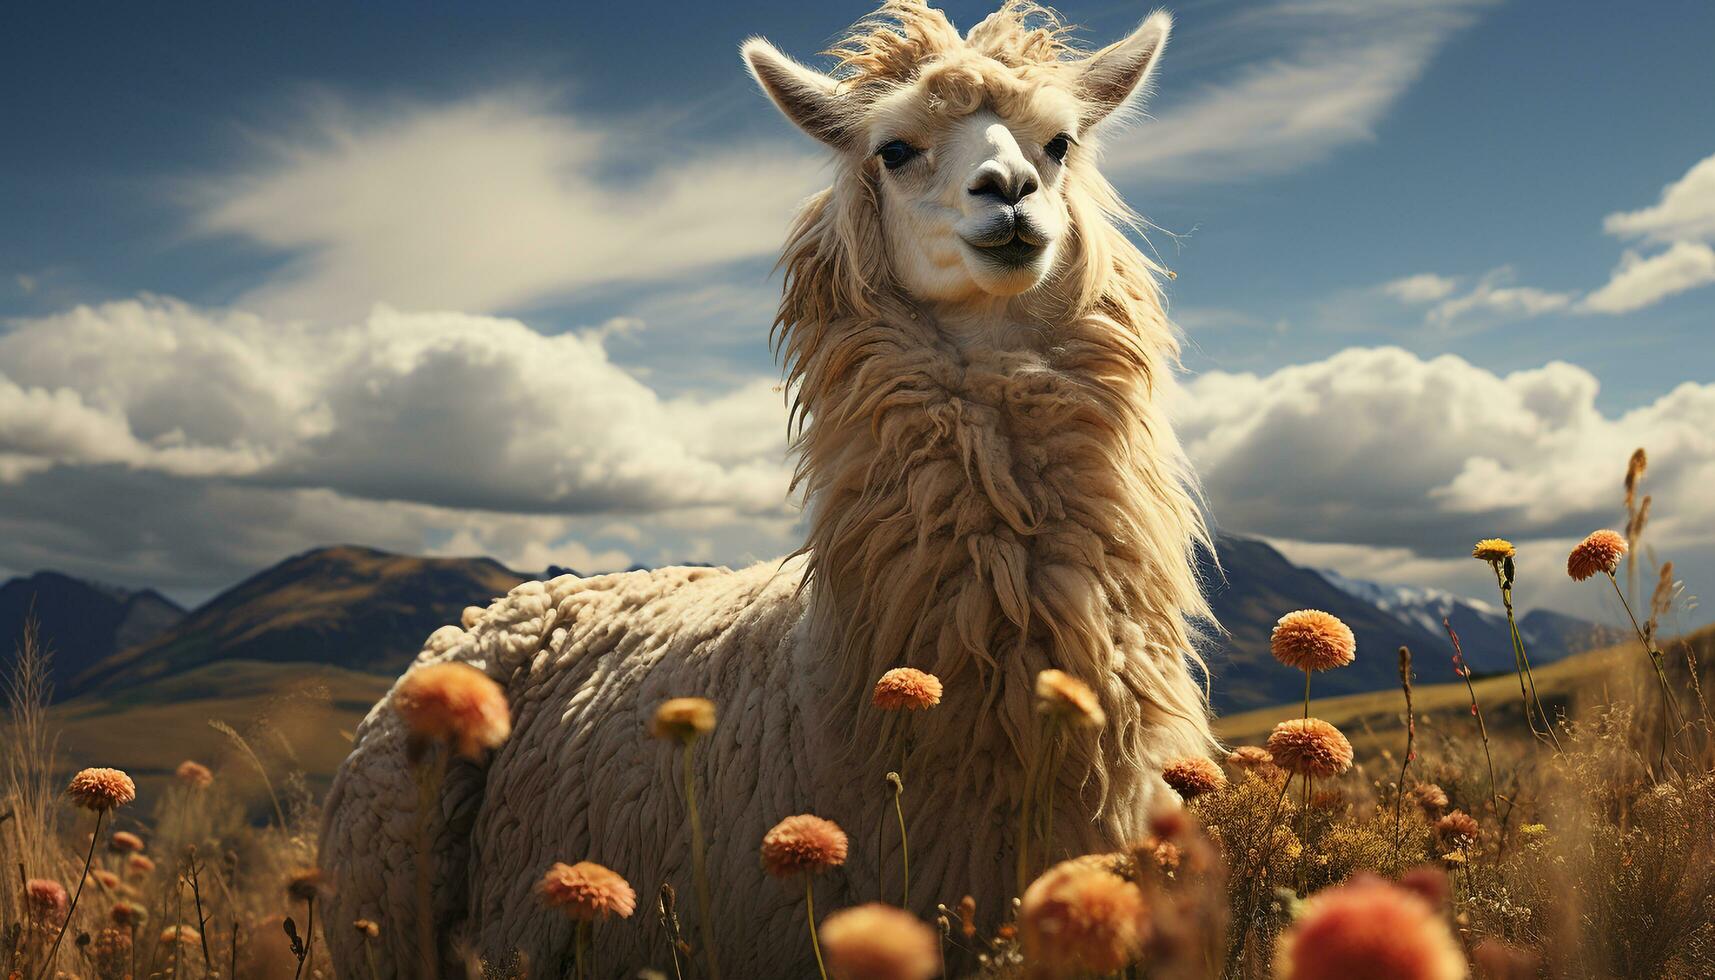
979	359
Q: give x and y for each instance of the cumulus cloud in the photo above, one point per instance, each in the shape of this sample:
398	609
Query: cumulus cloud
1639	282
1339	67
490	203
446	409
1382	448
1686	211
427	431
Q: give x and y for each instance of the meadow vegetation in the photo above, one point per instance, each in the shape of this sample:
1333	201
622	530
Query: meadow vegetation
1550	822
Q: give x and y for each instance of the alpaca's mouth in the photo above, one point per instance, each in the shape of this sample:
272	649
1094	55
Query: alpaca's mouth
1014	253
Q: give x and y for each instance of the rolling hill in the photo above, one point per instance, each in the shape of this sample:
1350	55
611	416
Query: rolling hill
82	622
348	607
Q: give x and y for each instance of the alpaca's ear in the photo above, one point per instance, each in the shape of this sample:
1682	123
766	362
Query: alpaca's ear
1117	75
806	96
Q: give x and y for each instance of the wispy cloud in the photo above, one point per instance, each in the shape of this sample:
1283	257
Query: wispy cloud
1686	211
1338	68
1639	282
490	203
1684	218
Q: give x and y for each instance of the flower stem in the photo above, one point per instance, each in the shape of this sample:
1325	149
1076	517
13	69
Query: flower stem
699	867
1521	665
48	964
904	846
810	912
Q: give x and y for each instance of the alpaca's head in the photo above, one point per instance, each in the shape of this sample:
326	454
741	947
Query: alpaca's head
973	155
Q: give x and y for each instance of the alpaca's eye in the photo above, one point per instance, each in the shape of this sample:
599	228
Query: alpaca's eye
896	154
1058	146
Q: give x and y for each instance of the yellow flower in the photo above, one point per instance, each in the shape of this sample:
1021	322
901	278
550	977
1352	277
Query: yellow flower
1493	549
683	719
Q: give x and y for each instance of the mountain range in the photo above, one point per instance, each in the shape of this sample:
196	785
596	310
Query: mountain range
358	609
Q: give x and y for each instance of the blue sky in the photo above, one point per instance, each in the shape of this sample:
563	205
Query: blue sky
496	278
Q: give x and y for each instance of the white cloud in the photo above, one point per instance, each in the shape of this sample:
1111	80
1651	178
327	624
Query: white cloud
1491	300
1379	446
1344	66
235	440
1639	282
1684	216
444	409
491	203
1686	211
1425	287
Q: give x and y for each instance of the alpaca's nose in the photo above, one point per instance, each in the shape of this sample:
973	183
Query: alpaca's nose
1006	175
1009	184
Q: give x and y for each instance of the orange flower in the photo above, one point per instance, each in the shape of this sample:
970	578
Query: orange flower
804	843
106	879
366	928
1063	696
907	688
1368	928
1192	777
1600	552
124	842
307	885
1430	798
879	942
1310	639
180	934
1458	828
139	864
1310	746
683	719
587	891
126	913
101	789
46	898
1078	918
111	950
1250	757
195	775
968	916
454	703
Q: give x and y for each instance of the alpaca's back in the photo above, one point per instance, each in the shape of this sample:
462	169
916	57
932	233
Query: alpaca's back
584	663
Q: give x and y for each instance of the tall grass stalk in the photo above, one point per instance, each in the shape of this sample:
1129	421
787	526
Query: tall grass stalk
1672	721
28	749
1236	948
1410	750
1464	671
256	764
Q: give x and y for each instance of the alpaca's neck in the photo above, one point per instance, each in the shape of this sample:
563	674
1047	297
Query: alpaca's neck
992	499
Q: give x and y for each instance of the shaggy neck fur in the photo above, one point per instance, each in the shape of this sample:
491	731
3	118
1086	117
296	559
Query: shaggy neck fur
987	503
